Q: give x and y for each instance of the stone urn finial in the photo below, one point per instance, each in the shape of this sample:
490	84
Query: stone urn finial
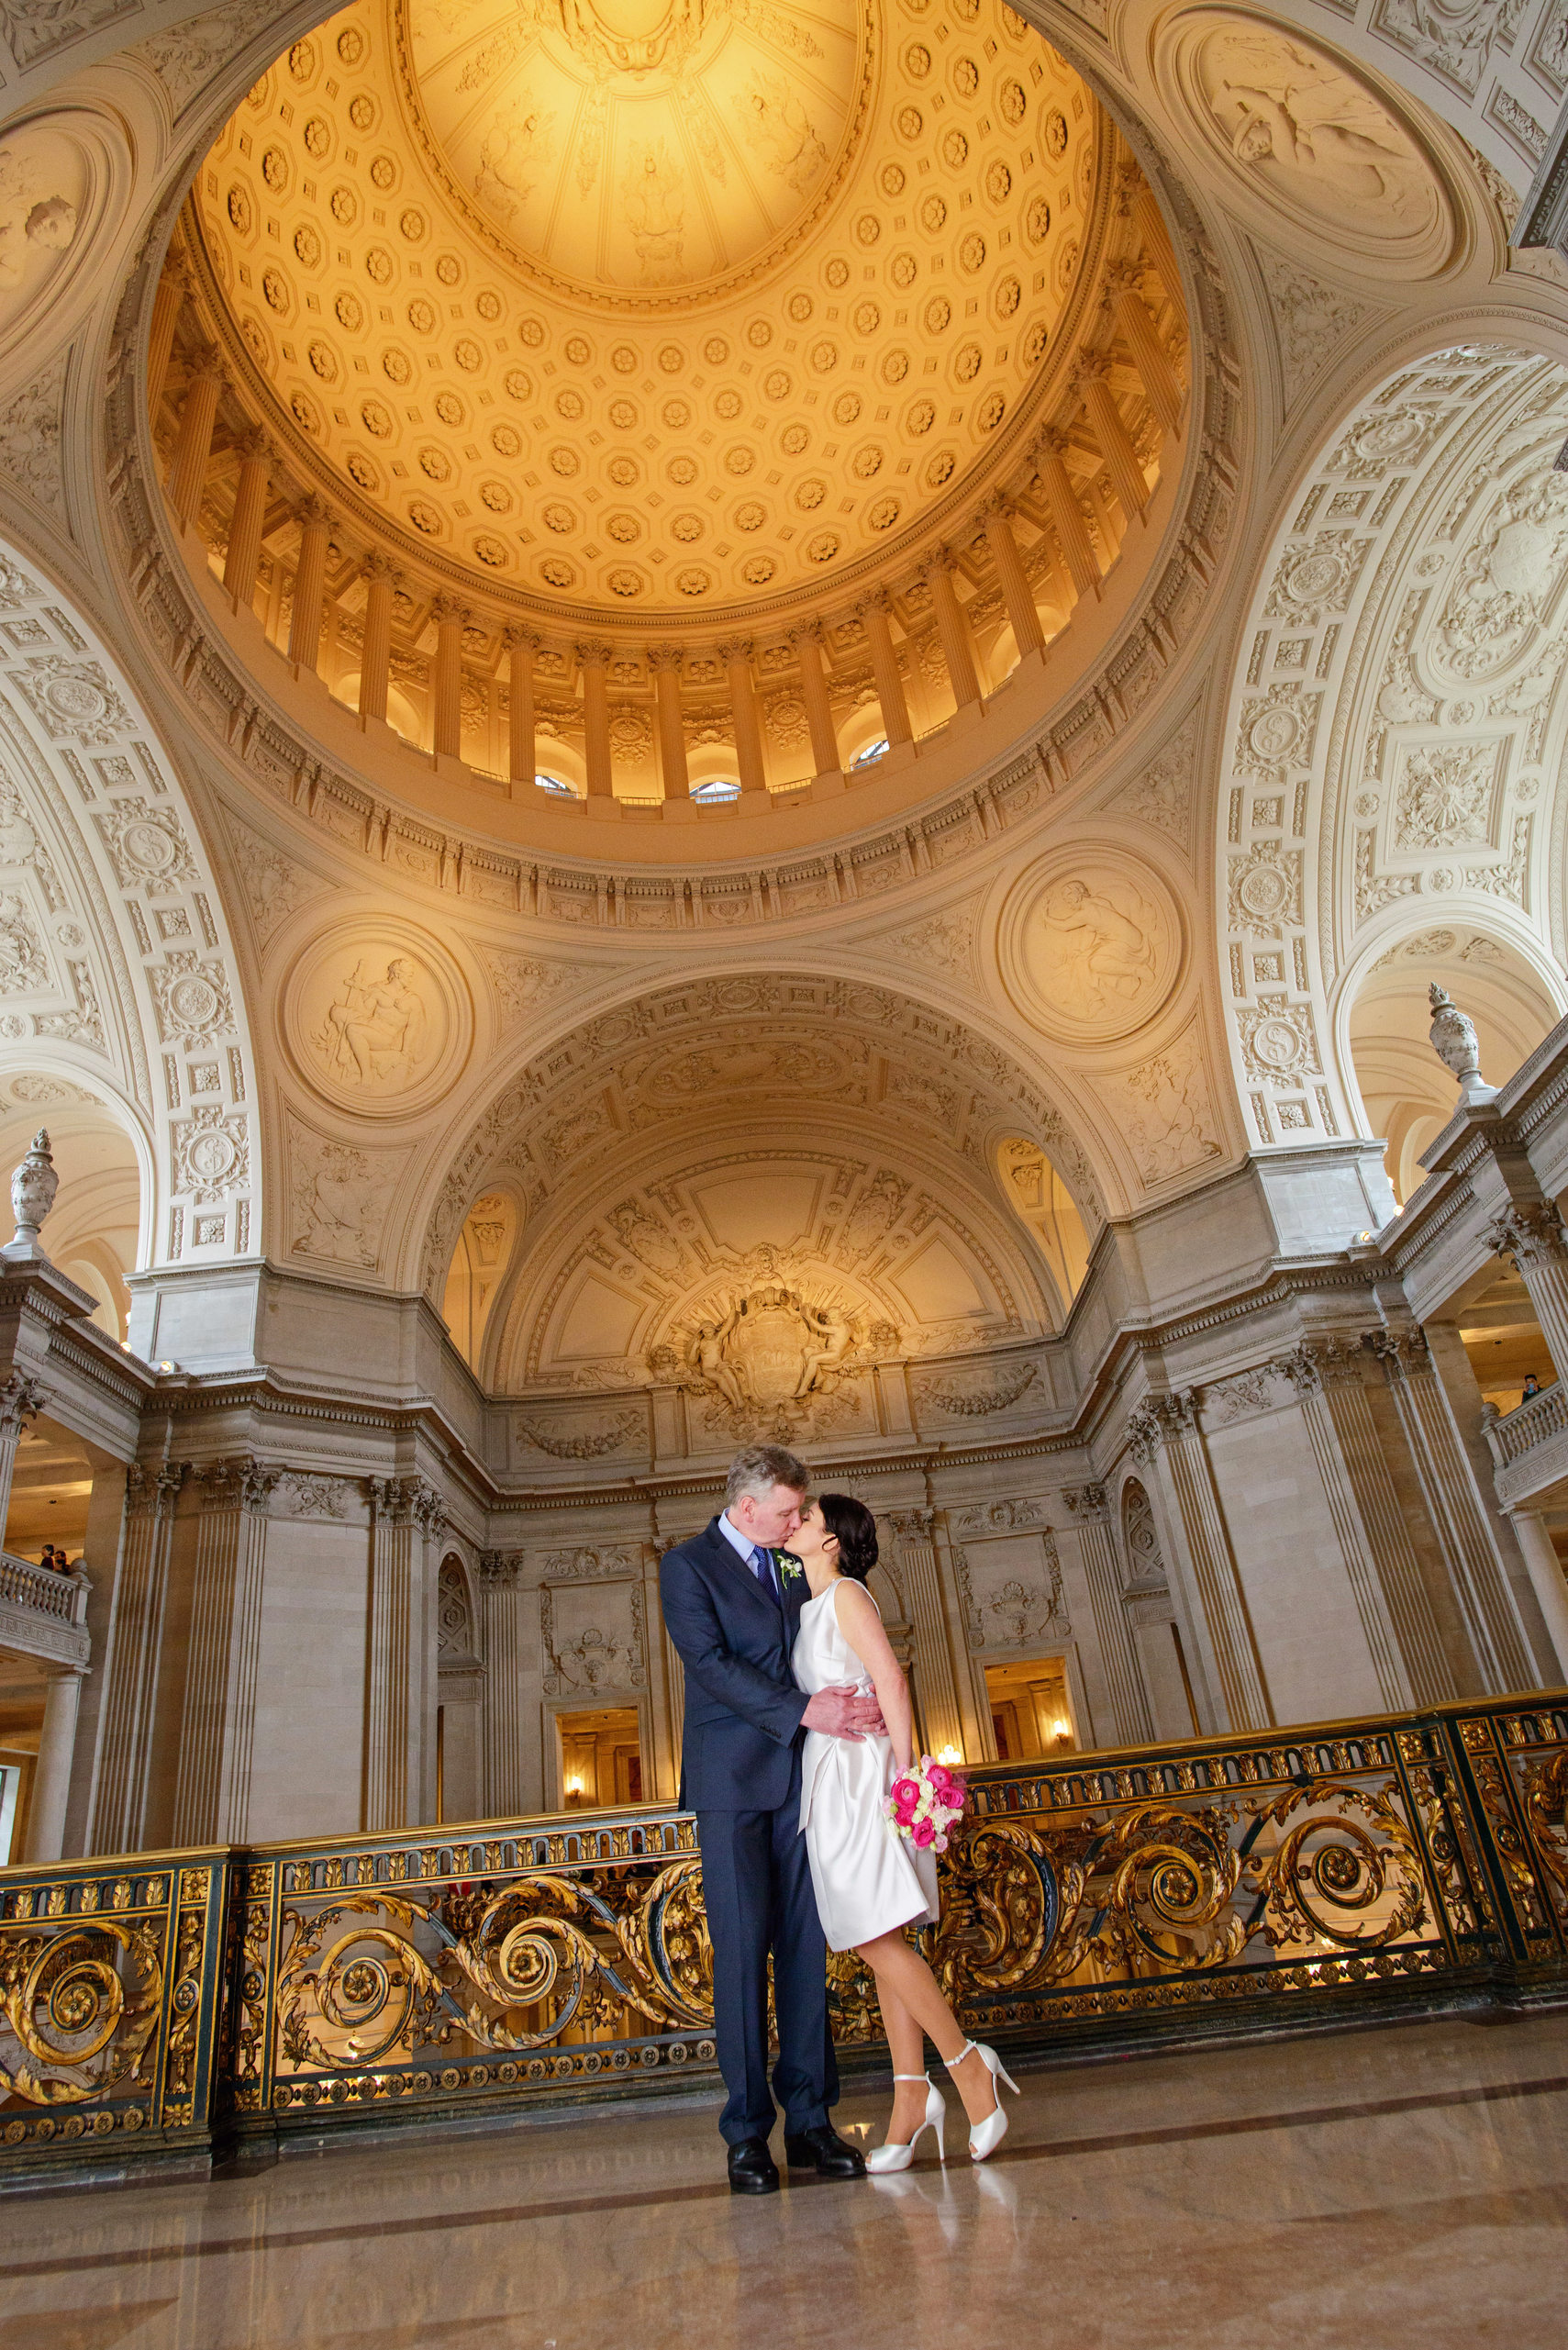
1452	1034
33	1185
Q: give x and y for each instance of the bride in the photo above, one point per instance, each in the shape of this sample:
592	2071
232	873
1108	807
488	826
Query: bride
871	1884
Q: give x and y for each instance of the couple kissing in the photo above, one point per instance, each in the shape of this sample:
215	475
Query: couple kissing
799	1726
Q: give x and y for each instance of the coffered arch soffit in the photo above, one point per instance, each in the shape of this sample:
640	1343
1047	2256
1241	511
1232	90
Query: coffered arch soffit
866	1216
117	968
732	1048
1395	735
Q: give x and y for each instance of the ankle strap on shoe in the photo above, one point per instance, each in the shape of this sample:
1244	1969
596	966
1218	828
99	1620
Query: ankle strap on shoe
914	2076
967	2050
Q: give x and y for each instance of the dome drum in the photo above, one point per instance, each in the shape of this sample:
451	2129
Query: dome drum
771	681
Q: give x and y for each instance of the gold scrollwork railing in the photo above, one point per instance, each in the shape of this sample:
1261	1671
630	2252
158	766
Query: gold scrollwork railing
179	2001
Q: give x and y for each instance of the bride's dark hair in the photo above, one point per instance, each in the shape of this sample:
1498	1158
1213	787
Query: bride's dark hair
855	1527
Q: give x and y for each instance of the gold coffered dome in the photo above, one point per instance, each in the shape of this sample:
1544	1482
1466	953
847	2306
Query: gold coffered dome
636	147
638	309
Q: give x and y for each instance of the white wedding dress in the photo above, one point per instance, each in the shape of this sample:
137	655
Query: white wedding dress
867	1880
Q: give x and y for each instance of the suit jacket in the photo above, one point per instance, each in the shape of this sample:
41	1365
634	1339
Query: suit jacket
743	1709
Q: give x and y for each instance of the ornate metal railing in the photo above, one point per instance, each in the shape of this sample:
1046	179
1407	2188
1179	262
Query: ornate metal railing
178	2001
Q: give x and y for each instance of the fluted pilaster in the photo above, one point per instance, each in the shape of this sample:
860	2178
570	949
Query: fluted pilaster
1166	1436
1118	1657
242	557
952	630
212	1795
375	656
1093	378
446	681
522	753
310	583
749	758
593	660
875	612
192	449
1016	593
808	642
665	661
1124	296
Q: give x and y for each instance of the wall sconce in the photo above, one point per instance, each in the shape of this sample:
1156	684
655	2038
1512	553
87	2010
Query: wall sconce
951	1756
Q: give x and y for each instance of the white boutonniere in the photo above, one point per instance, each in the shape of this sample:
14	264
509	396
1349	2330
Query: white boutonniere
790	1567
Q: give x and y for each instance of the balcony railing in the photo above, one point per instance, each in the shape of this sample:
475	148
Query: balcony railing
170	2003
1528	1425
41	1591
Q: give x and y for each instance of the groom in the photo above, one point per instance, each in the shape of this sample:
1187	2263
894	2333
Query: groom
731	1613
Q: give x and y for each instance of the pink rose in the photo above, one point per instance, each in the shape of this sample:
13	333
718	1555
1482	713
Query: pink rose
923	1833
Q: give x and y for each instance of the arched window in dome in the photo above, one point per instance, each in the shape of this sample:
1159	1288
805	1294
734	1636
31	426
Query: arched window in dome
869	752
556	783
1036	1193
717	791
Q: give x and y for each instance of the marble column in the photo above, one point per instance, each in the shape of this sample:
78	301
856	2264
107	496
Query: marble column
1459	1520
212	1796
1118	1657
935	1682
192	449
1164	1433
593	660
242	557
309	583
749	758
376	654
665	661
446	679
1546	1579
52	1778
400	1667
808	642
876	613
21	1397
135	1657
1016	593
1529	1234
1403	1636
954	629
1091	375
1066	513
1125	297
504	1776
522	753
167	304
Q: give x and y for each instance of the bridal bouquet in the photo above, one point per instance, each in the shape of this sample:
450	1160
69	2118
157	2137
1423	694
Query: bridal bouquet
923	1803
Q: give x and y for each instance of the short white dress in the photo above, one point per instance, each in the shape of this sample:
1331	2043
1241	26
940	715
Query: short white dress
867	1880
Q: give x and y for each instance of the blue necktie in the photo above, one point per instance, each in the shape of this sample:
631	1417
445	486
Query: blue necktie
762	1568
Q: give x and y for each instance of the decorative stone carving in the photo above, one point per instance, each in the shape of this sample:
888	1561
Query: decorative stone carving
1164	1109
1453	1034
1003	1516
1445	795
583	1443
275	885
592	1639
1529	1232
212	1152
29	438
45	179
1265	889
1455	37
500	1570
1091	944
1012	1593
147	843
337	1199
1303	134
186	57
379	1022
1162	794
301	1495
1312	322
24	967
36	28
33	1186
72	701
192	1001
975	1394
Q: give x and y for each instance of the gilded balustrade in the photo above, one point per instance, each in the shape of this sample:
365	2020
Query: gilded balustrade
175	2002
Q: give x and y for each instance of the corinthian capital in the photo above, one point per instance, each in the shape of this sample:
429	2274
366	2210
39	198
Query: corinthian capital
20	1397
499	1570
1087	1500
913	1525
1529	1231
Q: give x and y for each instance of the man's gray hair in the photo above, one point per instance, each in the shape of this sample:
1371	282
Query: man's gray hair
758	1468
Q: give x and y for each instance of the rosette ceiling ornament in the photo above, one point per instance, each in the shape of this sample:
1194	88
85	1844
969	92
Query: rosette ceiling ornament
655	308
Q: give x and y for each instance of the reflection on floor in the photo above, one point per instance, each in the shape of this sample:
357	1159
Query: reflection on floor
1362	2190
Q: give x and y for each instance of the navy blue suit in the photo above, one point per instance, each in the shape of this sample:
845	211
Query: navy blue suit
740	1775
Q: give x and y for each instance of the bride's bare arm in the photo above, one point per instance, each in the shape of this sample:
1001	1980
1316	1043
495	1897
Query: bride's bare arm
862	1627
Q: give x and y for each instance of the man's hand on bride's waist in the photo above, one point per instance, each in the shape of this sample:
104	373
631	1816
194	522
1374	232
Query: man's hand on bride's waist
843	1712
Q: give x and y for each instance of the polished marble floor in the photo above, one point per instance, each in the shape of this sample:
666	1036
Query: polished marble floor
1407	2185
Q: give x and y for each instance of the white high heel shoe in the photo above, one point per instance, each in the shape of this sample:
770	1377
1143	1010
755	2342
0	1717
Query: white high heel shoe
894	2157
984	2137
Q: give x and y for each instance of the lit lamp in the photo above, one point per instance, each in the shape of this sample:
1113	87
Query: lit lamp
950	1755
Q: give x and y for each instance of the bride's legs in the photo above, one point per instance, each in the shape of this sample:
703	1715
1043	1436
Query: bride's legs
906	1988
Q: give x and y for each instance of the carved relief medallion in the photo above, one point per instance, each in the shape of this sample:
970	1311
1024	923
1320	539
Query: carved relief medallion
1090	945
1297	131
377	1018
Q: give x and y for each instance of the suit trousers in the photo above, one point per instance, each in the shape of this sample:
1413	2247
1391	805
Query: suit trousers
757	1886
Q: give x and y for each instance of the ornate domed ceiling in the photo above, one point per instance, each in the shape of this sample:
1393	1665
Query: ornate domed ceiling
645	308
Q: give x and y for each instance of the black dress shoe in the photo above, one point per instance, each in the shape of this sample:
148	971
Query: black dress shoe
825	2152
751	2168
